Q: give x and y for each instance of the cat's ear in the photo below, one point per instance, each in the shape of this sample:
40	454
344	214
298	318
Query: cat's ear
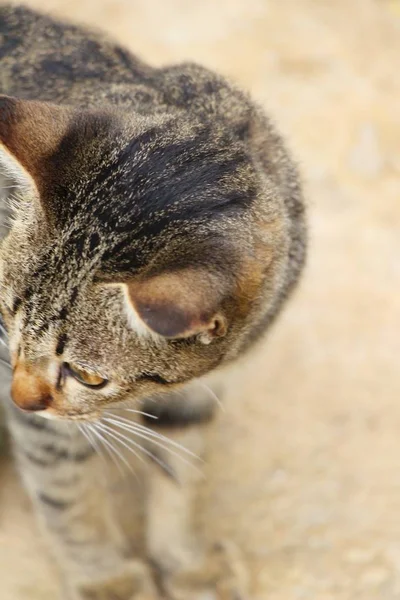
30	132
179	304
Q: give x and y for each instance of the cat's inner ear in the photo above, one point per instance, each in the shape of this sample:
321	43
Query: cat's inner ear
30	131
179	304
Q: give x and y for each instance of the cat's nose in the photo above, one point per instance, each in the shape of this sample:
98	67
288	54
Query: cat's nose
30	391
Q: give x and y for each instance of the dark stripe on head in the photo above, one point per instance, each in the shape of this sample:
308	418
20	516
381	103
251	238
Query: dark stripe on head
68	202
62	340
63	314
172	190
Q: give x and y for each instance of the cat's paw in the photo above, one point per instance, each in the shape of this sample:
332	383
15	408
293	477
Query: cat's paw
133	582
221	575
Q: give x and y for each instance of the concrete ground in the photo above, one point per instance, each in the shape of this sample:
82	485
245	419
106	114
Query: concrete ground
305	467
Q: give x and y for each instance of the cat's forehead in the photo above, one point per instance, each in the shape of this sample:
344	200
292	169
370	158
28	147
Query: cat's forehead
120	188
119	177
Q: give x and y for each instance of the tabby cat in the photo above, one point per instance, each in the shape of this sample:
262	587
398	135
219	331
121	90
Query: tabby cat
156	229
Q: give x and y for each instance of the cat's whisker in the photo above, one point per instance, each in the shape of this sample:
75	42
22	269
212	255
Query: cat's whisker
99	449
150	433
111	450
102	433
100	442
115	435
154	438
162	438
3	330
120	437
85	434
5	363
71	441
212	394
132	410
92	441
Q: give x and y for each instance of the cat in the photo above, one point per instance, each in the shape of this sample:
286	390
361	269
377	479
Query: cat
157	227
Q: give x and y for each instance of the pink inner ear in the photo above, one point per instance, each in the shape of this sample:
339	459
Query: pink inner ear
178	303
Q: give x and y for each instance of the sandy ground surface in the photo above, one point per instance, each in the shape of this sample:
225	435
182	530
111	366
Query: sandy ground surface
305	467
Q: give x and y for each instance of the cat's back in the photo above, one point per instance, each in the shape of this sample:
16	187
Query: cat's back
46	59
42	58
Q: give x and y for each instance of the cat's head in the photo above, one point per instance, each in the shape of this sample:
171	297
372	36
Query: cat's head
131	265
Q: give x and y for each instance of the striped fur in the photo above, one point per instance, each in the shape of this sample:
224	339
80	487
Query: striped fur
128	176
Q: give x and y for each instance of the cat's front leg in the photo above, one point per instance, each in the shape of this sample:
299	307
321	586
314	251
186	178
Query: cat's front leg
186	570
58	465
220	575
133	582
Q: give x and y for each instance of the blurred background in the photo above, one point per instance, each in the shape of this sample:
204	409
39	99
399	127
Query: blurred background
304	471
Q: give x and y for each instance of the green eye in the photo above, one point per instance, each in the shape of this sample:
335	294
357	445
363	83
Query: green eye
90	380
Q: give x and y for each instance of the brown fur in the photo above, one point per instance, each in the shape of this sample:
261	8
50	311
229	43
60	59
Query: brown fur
28	390
31	131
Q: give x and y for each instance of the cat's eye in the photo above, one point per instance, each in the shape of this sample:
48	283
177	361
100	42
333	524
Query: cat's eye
91	380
